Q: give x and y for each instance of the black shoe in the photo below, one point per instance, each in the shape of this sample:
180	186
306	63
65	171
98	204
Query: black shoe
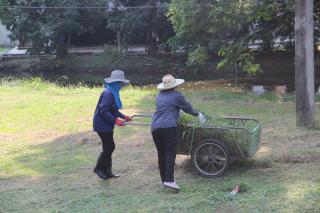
100	167
111	175
109	169
100	174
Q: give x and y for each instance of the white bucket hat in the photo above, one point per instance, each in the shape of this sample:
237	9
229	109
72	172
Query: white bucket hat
169	82
116	75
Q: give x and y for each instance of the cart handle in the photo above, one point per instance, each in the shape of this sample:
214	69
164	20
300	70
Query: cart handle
142	115
139	123
240	118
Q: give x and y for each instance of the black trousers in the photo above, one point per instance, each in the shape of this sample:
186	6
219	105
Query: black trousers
108	145
166	142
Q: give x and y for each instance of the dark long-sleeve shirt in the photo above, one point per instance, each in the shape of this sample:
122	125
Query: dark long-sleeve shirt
169	104
106	112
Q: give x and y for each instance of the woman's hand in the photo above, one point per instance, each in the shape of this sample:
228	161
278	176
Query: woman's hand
127	118
119	122
201	118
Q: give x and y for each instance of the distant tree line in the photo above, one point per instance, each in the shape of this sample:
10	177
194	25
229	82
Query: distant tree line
200	28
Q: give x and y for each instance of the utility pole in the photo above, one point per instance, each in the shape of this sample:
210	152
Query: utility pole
304	63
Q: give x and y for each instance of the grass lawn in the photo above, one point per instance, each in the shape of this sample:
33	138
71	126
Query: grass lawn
2	49
48	151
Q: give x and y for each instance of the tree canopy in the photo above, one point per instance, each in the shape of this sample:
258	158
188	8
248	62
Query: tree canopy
229	27
46	28
141	24
200	27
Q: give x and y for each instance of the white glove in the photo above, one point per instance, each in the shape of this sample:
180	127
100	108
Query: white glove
201	118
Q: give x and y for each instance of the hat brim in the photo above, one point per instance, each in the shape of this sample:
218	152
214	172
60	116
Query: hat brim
177	83
110	80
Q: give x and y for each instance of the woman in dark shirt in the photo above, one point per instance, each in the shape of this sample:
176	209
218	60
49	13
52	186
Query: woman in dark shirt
106	116
164	126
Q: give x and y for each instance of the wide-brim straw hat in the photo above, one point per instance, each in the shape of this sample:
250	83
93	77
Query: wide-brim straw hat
116	75
169	82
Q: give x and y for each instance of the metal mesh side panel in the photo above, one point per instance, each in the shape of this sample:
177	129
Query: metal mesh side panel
255	141
236	133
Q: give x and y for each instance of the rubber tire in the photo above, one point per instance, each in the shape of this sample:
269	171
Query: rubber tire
222	146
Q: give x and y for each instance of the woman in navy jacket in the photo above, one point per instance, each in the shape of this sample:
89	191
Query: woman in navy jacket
106	116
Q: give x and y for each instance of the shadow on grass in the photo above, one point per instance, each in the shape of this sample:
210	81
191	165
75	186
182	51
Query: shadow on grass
68	153
61	155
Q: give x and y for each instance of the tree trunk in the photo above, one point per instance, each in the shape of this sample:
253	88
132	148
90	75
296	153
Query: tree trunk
61	48
290	41
304	64
267	42
119	42
151	44
69	40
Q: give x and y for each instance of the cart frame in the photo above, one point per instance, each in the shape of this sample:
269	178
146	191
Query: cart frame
228	142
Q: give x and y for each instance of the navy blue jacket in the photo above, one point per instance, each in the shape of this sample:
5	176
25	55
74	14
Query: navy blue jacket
106	112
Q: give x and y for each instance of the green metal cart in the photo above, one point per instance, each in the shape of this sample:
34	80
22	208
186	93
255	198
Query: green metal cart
217	143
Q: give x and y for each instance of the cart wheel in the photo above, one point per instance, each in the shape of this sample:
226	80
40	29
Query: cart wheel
210	158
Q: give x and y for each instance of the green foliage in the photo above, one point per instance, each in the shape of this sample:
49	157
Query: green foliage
2	2
237	55
189	22
2	49
222	27
48	29
273	20
317	18
198	57
229	27
136	25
